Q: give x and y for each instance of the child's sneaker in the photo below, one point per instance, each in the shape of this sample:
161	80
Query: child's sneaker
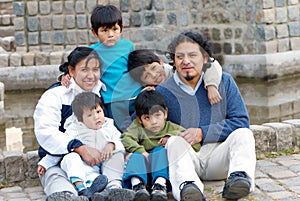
141	194
98	185
159	193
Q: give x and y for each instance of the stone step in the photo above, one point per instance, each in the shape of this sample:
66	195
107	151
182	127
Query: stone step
6	31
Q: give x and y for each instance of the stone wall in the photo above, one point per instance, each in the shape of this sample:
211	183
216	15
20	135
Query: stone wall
270	137
258	38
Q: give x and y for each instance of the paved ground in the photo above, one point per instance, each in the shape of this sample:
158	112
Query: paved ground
276	179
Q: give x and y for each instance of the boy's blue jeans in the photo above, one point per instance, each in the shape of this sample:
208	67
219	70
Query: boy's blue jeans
137	167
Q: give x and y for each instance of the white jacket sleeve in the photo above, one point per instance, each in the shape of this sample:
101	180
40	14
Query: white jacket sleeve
213	75
47	117
112	134
49	161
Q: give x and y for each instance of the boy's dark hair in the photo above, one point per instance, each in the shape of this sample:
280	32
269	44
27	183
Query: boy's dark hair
106	16
78	54
205	46
85	100
149	102
137	59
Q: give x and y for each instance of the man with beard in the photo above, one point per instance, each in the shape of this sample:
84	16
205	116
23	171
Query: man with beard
228	147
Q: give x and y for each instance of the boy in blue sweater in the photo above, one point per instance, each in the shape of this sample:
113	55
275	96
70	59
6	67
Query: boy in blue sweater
107	26
228	147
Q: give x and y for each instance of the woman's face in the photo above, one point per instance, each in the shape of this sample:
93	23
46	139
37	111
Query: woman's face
86	74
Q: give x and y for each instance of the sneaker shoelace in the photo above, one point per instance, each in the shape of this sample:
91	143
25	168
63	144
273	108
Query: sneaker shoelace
184	184
238	174
158	187
138	187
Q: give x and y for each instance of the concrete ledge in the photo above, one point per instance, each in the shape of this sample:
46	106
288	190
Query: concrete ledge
28	77
268	66
19	168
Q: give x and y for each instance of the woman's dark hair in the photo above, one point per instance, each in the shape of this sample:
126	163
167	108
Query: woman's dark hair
106	16
149	102
205	46
85	100
77	55
137	60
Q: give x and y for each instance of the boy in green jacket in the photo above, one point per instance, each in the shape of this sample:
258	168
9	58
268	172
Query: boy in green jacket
145	140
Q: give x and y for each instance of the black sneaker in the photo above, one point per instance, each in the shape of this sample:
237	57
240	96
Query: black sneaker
159	193
190	192
237	186
141	194
98	185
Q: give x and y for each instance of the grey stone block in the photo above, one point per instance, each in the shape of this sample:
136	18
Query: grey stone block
44	7
32	7
14	166
82	21
265	139
285	137
19	8
31	159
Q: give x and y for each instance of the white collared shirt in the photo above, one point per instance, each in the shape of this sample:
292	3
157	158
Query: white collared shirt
186	88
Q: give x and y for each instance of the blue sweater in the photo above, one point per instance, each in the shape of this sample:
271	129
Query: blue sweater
216	121
119	84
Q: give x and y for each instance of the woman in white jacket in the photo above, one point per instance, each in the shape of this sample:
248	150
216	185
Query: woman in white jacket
50	115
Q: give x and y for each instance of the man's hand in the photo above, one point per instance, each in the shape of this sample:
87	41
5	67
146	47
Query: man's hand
90	155
192	135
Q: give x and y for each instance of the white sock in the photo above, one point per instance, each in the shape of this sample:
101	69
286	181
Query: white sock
135	181
160	180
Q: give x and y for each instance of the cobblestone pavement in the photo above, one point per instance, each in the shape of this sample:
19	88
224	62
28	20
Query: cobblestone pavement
276	179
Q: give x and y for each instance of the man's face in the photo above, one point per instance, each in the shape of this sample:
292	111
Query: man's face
109	36
154	122
189	62
153	74
93	119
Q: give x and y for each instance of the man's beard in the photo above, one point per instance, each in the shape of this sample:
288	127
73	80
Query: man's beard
189	77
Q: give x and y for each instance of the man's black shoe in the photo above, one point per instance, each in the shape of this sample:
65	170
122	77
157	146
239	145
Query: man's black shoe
190	192
237	186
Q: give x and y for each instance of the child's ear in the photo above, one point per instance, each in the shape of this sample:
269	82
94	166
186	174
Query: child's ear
166	113
206	58
161	62
122	27
94	32
138	119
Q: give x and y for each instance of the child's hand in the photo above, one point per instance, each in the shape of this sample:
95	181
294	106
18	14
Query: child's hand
213	94
163	141
146	155
65	80
107	151
41	170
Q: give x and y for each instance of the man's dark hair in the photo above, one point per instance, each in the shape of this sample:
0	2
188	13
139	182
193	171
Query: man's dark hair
106	16
85	100
205	46
149	102
137	60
